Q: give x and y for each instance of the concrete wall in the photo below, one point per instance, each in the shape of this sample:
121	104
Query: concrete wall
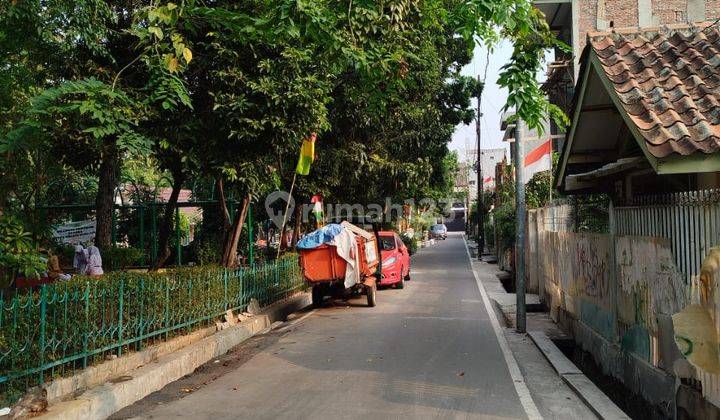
617	295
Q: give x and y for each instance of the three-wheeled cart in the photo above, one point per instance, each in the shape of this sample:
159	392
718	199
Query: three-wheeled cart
324	269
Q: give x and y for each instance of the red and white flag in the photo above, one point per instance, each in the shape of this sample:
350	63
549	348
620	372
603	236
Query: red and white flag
538	160
489	184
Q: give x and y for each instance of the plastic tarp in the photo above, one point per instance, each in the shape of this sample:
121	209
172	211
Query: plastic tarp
347	249
324	235
342	238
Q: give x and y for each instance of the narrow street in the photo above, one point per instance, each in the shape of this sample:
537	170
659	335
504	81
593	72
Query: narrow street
428	351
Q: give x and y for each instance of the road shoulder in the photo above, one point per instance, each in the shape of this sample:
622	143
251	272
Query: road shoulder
553	398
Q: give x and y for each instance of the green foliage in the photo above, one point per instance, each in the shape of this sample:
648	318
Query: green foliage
505	220
592	213
227	90
531	37
17	252
489	232
172	303
122	257
537	190
411	242
207	250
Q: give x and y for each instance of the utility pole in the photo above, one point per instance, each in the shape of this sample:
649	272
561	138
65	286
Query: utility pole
480	189
520	226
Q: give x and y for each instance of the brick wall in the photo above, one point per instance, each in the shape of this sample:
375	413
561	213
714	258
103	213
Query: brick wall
623	13
712	9
670	11
587	19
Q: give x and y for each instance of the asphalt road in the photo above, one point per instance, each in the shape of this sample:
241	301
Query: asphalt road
427	351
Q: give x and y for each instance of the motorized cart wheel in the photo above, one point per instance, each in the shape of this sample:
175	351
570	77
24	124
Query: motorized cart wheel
371	292
317	296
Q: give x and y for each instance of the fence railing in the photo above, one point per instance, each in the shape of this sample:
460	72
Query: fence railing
66	326
690	220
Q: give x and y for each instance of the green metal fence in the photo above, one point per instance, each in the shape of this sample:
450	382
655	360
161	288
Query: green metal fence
146	219
66	326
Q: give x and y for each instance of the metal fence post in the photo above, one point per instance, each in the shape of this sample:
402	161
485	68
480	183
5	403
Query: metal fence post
121	292
43	322
86	330
251	244
225	289
114	229
178	246
167	306
141	214
153	245
141	298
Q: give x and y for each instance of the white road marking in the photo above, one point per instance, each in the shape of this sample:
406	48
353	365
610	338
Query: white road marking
442	318
518	380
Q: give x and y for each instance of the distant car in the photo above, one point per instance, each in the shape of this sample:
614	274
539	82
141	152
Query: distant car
438	231
395	258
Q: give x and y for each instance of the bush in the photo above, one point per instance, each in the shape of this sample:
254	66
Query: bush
88	318
66	254
120	258
410	242
489	232
17	253
504	217
207	250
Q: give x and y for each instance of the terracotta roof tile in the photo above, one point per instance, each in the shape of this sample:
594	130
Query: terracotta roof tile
668	81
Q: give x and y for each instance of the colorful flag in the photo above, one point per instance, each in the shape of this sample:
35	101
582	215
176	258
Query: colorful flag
307	155
317	201
538	160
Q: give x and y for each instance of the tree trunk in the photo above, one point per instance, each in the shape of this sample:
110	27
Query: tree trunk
224	213
166	224
296	230
233	237
105	199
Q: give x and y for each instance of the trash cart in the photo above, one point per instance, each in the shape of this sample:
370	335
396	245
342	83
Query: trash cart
324	258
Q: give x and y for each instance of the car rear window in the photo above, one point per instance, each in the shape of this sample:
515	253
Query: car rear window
387	243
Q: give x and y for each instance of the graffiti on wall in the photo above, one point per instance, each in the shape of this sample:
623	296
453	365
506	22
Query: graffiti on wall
592	261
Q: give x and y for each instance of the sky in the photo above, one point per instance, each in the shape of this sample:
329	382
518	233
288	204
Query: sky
493	100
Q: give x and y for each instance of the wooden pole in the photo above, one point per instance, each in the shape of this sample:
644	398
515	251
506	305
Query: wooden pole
287	207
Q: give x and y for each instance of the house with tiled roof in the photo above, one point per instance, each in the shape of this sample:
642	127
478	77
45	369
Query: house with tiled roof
646	113
632	272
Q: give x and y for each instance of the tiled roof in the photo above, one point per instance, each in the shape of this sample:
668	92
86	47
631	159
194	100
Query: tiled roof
668	81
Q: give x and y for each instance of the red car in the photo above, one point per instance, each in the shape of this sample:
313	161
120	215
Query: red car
395	260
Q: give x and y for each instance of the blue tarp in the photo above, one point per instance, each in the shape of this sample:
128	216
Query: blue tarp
321	236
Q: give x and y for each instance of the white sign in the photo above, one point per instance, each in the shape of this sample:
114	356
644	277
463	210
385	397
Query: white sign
370	253
75	232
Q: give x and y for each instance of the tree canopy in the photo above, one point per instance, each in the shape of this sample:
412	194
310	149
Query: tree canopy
223	92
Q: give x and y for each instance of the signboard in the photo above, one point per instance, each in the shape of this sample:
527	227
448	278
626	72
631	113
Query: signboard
75	232
370	252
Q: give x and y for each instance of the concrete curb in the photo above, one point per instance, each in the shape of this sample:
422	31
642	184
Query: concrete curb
102	401
593	397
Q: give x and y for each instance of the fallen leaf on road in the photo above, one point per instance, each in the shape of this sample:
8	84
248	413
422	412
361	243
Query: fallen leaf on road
461	374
